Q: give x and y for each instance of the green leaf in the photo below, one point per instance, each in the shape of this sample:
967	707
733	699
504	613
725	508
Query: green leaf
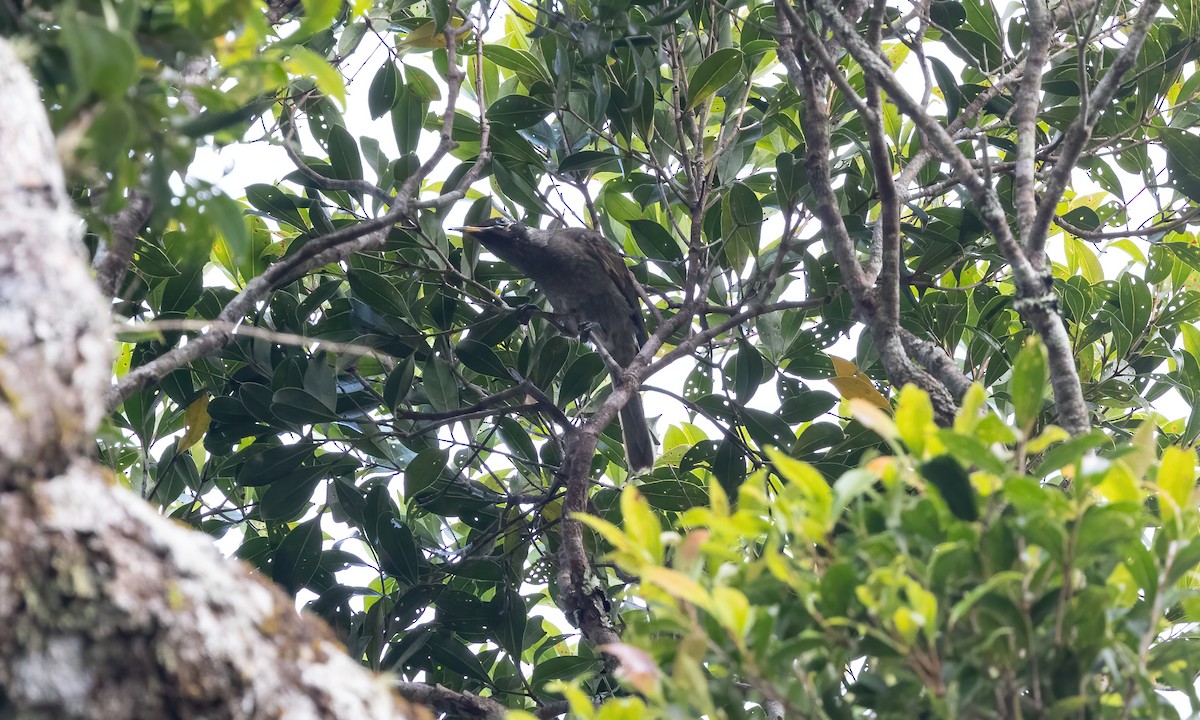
397	550
264	465
441	386
294	405
1183	160
674	495
297	558
385	89
1028	384
302	61
424	471
566	667
520	61
581	376
948	84
953	485
713	73
421	84
376	291
287	500
276	204
102	61
655	241
585	160
1084	218
408	117
344	157
518	111
482	359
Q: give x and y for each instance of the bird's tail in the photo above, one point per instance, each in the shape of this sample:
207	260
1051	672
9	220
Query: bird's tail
639	446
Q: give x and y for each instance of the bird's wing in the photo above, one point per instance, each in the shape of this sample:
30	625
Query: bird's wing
618	273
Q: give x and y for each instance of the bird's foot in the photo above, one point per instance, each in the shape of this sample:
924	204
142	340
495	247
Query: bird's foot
525	313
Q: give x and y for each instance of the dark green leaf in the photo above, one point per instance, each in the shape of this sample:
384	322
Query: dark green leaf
275	204
376	291
518	111
263	466
482	359
296	559
343	154
953	485
655	241
385	89
1028	384
713	73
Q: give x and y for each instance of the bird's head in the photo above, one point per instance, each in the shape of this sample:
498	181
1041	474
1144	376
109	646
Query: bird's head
495	230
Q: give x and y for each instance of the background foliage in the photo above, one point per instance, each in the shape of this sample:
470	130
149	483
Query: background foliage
386	444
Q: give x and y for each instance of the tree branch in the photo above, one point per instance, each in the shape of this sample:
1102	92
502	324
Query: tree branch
1080	130
113	257
1035	297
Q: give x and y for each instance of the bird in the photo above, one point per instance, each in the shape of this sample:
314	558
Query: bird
593	296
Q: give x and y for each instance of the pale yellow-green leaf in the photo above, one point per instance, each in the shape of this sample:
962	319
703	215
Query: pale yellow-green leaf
732	610
608	531
1125	585
896	53
641	524
318	15
969	412
195	420
303	61
1083	260
1145	449
914	418
677	585
854	383
1191	339
1118	485
124	358
579	702
718	501
683	434
428	36
1050	435
626	708
907	624
1176	480
815	491
875	419
925	606
1130	248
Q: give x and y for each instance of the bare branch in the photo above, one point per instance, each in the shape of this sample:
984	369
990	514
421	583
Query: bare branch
114	257
316	253
1035	297
454	704
1080	130
1025	113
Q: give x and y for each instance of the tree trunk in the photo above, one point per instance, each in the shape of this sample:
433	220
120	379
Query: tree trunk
107	609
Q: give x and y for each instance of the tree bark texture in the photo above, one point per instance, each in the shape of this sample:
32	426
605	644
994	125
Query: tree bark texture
107	609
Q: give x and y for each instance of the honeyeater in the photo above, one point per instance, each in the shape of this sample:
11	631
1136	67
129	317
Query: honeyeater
593	295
